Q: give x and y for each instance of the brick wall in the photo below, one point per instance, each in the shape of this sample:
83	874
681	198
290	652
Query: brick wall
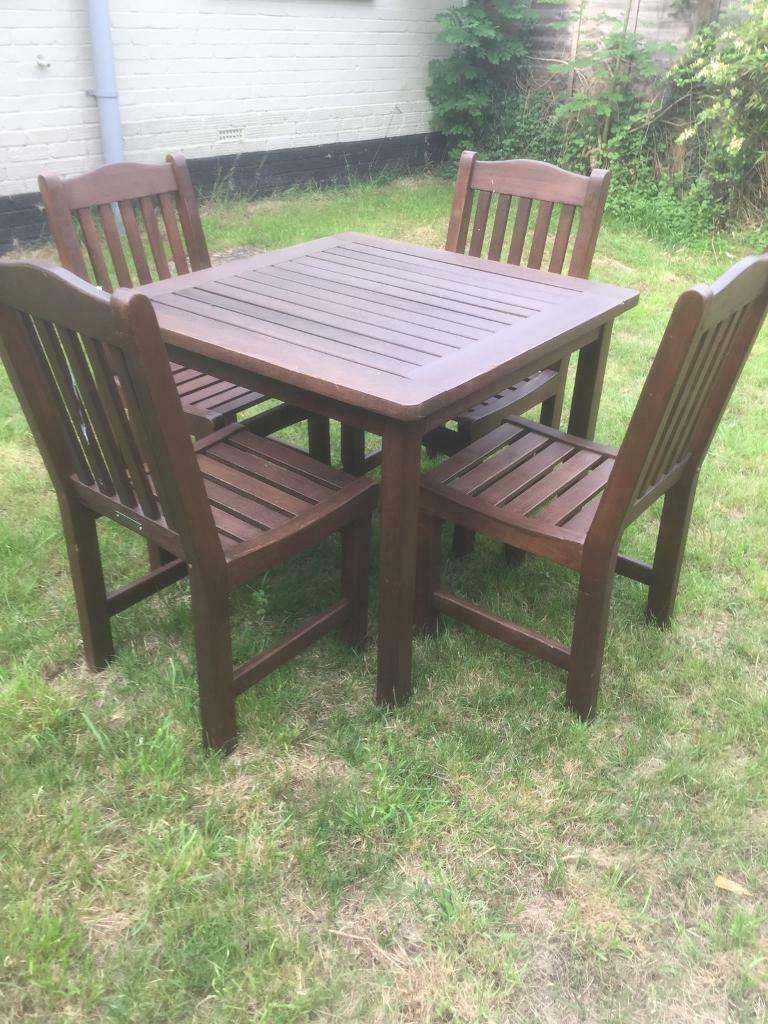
210	78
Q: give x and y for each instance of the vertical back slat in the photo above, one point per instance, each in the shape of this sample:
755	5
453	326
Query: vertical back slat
168	211
540	233
519	231
500	222
69	385
93	245
93	402
114	408
153	234
562	237
135	241
115	245
59	393
481	220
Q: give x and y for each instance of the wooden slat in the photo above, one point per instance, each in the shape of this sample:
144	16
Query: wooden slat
522	476
566	474
115	245
120	427
319	341
93	245
562	236
499	227
481	220
474	454
519	231
291	482
560	511
405	336
60	396
281	456
540	233
306	289
94	402
251	486
508	459
69	387
153	234
248	509
168	211
135	241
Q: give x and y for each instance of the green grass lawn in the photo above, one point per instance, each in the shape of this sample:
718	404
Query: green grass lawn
477	856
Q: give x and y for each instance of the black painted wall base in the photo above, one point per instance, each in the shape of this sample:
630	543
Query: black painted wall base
22	221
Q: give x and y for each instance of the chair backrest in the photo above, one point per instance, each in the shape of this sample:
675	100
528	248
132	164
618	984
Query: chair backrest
577	197
134	222
701	356
92	376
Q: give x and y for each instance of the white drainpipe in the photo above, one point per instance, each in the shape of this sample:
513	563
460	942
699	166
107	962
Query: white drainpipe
105	91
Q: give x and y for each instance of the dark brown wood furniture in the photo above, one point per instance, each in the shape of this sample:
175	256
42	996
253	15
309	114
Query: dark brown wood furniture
483	200
161	234
394	339
569	500
96	386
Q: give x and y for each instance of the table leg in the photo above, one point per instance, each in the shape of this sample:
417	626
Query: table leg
588	386
399	517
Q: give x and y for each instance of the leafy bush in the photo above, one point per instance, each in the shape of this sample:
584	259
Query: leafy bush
724	80
687	149
490	40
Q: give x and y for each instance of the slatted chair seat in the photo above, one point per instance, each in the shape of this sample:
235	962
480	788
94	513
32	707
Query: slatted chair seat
569	500
530	214
161	234
95	383
526	482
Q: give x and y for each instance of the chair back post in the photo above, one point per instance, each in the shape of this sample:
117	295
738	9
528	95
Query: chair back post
591	221
59	214
707	341
461	211
189	214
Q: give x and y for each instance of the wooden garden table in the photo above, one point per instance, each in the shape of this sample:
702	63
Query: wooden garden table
394	339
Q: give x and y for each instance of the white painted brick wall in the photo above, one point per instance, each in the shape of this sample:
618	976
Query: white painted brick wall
210	77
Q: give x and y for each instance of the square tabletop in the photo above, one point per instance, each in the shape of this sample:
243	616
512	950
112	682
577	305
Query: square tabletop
390	327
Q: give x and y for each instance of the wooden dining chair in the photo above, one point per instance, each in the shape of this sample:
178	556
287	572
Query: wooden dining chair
96	386
539	216
569	499
137	223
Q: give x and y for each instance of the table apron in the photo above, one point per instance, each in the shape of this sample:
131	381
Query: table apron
357	416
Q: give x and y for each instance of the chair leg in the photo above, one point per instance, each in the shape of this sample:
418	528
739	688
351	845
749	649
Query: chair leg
670	549
213	646
552	408
158	556
589	631
319	434
88	582
463	538
353	450
356	542
427	574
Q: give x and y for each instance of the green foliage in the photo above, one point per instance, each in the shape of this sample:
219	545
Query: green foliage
490	40
723	79
687	148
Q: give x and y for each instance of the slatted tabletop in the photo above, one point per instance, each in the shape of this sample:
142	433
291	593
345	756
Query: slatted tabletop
379	324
